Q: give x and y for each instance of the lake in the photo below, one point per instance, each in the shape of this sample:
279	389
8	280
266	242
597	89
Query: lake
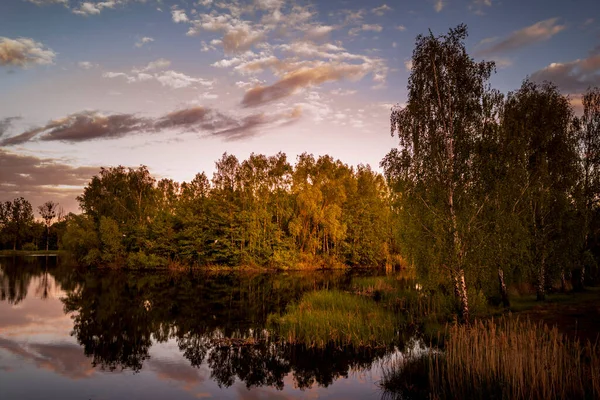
105	334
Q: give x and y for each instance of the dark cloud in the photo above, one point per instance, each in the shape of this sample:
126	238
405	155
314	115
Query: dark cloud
65	359
40	179
91	125
83	126
6	123
537	32
176	371
572	77
250	125
302	78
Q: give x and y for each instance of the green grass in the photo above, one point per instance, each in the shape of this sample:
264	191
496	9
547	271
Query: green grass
334	317
529	302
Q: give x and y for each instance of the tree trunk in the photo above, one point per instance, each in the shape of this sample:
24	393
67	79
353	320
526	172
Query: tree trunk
47	236
577	280
460	290
541	282
563	281
503	291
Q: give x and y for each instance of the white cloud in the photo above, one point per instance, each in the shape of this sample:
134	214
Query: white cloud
381	10
114	74
179	16
365	28
24	52
178	80
401	28
408	64
318	32
439	5
89	8
209	96
341	92
86	64
161	63
144	41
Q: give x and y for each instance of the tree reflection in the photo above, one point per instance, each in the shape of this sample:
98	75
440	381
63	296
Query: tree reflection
216	320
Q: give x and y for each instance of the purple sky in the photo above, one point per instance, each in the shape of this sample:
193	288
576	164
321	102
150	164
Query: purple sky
174	84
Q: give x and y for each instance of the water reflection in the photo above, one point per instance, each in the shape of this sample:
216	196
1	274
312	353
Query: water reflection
213	322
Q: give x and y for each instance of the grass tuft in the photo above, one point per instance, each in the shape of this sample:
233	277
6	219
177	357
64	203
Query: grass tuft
335	317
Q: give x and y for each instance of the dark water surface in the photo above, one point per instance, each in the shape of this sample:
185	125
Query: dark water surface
127	335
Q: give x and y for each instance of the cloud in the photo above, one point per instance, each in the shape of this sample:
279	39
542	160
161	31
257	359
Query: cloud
6	123
82	126
86	64
572	77
238	35
538	32
401	28
478	6
46	2
318	32
250	125
88	8
365	28
300	79
24	52
341	92
178	80
65	359
161	63
215	123
93	125
170	78
41	179
179	16
143	41
408	64
439	5
381	10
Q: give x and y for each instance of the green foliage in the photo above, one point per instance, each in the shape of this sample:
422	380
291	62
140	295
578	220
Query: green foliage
29	247
258	212
326	317
81	240
141	260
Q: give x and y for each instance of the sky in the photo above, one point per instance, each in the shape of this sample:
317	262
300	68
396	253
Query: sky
174	84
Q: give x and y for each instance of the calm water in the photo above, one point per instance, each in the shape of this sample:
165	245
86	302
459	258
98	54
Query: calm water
113	335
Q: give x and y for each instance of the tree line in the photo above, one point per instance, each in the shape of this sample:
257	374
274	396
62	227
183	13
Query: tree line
20	231
491	188
258	212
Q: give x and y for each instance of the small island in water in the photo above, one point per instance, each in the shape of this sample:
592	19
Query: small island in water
465	265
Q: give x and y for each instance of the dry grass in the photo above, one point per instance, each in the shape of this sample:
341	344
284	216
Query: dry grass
504	359
512	359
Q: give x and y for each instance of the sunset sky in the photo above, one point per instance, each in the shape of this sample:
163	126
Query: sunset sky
173	84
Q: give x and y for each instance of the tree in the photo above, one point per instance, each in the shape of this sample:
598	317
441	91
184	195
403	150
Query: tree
48	213
589	151
439	130
537	121
18	219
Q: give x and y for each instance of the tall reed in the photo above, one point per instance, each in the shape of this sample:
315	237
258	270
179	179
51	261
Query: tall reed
512	359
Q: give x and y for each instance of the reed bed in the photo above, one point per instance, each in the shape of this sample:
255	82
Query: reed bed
504	359
335	317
